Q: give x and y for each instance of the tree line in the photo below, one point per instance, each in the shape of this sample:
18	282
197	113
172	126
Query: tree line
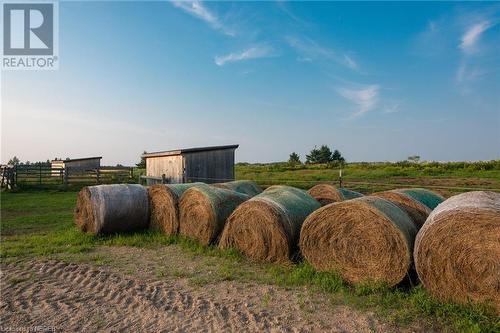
321	155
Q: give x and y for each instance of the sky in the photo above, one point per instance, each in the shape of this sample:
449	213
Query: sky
377	81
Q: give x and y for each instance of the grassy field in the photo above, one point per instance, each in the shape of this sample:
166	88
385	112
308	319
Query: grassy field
39	225
446	178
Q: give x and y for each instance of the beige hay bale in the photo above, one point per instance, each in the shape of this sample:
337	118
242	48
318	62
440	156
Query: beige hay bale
164	204
247	187
457	251
364	239
204	209
105	209
267	227
417	211
327	194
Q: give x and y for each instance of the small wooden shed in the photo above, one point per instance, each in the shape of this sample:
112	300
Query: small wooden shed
85	163
204	164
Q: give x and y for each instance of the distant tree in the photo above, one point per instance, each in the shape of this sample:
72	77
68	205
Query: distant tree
414	158
337	156
142	163
119	165
321	155
294	159
14	161
27	163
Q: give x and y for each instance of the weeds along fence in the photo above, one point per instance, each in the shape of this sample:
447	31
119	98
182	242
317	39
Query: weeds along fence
40	175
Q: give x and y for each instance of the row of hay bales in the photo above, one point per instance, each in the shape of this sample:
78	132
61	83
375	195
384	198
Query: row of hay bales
376	238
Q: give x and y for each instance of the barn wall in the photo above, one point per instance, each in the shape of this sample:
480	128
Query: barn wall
210	166
94	163
171	166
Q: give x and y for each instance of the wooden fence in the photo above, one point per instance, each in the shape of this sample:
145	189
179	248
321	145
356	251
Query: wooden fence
33	175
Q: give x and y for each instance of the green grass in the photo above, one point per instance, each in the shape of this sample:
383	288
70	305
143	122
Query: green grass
40	224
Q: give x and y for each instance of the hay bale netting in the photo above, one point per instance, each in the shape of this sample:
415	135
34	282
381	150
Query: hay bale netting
164	203
429	198
457	251
327	194
106	209
267	227
203	211
247	187
417	211
364	239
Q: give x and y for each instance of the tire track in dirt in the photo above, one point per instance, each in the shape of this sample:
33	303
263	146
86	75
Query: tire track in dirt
78	297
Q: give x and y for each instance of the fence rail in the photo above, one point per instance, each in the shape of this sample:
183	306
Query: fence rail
32	175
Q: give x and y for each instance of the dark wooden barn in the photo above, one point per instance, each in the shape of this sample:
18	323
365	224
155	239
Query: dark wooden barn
204	164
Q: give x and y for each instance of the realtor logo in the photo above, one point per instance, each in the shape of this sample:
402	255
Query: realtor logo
29	35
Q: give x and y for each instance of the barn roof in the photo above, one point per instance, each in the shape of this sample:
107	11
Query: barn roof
187	150
78	159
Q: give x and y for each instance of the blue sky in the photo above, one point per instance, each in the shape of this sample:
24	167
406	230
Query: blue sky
378	81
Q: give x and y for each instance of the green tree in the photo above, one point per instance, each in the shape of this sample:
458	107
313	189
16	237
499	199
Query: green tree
142	163
14	161
294	159
414	158
321	155
337	156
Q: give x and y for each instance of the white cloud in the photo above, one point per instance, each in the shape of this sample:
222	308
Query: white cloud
472	35
365	98
309	50
198	10
350	62
251	53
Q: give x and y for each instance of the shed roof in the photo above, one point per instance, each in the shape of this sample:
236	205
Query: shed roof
78	159
187	150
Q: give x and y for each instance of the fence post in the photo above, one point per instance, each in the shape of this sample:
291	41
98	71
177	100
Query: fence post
340	178
66	175
97	175
163	179
40	174
61	174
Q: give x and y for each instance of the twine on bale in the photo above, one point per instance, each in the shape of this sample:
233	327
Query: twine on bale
327	194
106	209
457	251
364	239
417	211
203	211
247	187
267	227
164	202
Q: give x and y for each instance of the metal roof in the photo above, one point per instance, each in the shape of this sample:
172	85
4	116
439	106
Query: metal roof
187	150
78	159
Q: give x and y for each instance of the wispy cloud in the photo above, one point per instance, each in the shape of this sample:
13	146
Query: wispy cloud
310	50
472	35
198	10
262	51
365	98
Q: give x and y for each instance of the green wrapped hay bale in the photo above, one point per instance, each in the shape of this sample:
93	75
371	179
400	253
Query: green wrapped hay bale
364	239
106	209
247	187
417	211
429	198
164	204
203	211
328	193
457	251
267	227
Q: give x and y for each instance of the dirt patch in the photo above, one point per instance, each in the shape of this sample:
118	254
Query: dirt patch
131	294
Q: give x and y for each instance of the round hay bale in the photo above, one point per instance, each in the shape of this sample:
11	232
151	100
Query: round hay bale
327	194
247	187
457	251
203	211
429	198
417	211
164	204
267	227
364	239
106	209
